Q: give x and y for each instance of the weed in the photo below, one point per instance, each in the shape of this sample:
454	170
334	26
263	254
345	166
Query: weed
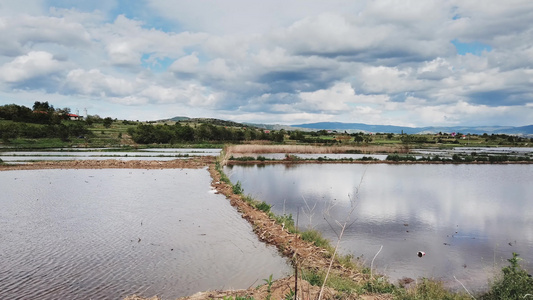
287	221
514	284
263	206
269	282
428	289
223	176
317	239
290	295
339	283
346	260
237	188
380	285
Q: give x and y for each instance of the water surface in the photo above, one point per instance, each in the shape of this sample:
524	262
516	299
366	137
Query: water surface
158	154
467	218
105	234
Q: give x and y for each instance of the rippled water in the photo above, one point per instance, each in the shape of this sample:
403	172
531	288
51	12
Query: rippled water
467	218
105	234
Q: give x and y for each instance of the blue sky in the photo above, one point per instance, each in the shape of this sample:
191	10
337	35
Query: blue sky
409	63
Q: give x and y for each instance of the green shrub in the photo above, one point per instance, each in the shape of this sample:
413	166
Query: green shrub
263	206
514	284
287	221
316	238
428	289
237	188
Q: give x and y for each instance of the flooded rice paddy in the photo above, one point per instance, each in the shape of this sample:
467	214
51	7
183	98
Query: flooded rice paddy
105	234
468	219
159	154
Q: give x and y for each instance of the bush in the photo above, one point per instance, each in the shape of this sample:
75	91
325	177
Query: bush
515	283
316	238
237	188
287	221
263	206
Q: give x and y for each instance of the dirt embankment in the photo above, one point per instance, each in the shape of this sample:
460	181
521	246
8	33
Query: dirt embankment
191	163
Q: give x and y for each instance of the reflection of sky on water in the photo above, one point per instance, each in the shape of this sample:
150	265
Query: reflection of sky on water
467	218
513	151
160	154
313	155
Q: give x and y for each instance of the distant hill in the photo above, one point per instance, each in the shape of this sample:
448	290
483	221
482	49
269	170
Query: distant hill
361	127
177	119
207	121
357	127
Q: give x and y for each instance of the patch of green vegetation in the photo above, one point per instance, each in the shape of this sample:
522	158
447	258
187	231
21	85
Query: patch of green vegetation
396	157
249	158
223	176
315	237
263	206
341	284
428	289
514	283
43	143
287	222
237	188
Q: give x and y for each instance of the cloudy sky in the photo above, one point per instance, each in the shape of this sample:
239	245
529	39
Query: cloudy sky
409	63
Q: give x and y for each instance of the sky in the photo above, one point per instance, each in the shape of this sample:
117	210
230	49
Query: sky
405	63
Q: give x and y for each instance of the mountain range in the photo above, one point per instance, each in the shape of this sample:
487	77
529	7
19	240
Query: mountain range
361	127
357	127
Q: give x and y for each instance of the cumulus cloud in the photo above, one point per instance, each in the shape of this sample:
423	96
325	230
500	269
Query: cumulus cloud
185	64
380	61
95	83
29	66
334	99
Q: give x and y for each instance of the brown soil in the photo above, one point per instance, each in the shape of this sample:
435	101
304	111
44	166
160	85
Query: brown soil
192	163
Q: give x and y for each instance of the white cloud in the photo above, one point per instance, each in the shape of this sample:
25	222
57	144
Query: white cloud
129	100
383	79
17	7
334	99
95	83
186	64
379	61
245	16
34	64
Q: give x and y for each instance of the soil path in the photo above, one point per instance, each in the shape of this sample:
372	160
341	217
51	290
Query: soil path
191	163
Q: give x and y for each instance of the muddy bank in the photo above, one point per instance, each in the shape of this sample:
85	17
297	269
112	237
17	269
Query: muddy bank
190	163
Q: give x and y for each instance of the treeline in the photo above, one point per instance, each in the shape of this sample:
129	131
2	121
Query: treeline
42	113
43	121
461	158
10	131
178	133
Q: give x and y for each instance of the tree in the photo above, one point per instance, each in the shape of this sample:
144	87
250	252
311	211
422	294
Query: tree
107	122
43	106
